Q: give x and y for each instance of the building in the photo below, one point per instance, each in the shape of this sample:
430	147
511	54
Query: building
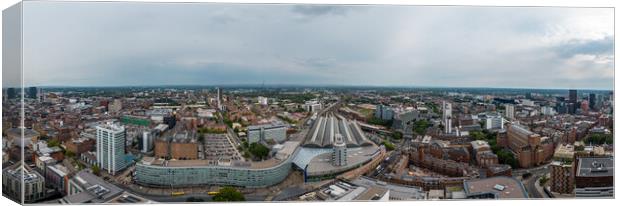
312	106
56	176
32	92
562	180
510	111
86	187
15	176
499	170
447	117
592	100
572	101
594	177
499	187
115	107
183	147
219	98
156	172
263	101
526	146
146	142
267	132
80	145
584	107
547	110
494	122
339	155
384	112
111	147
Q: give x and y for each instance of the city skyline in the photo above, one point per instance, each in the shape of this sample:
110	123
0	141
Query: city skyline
146	44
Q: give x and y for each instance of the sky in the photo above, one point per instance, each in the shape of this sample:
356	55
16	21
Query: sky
121	43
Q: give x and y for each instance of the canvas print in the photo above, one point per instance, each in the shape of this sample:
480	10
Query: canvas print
151	102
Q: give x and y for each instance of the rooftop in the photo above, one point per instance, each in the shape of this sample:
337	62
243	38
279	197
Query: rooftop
595	167
509	188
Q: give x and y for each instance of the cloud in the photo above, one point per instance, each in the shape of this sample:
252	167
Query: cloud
319	10
149	43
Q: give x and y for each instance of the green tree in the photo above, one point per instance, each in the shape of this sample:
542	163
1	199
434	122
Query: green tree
228	194
69	154
600	139
506	157
95	169
388	145
259	150
420	126
53	143
397	135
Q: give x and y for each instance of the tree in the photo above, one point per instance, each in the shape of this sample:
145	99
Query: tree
397	135
420	126
95	169
228	194
69	154
506	157
259	150
600	139
388	146
53	143
543	180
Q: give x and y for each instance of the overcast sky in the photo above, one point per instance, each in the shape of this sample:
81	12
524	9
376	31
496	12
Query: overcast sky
112	44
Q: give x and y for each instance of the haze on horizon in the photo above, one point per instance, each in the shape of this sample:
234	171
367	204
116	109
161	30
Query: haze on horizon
115	43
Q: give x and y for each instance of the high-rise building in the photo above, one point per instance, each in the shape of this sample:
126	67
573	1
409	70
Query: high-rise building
562	176
11	93
219	98
384	112
111	147
32	92
263	100
447	117
592	100
572	101
339	153
510	111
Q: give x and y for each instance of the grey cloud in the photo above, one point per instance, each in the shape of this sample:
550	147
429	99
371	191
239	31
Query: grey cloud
586	47
319	10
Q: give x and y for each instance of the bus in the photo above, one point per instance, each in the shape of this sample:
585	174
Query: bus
177	193
213	193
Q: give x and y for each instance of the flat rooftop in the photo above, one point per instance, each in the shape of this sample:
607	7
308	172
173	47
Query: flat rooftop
206	163
512	188
595	167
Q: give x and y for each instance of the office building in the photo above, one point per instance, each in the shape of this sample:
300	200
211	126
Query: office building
547	110
384	112
219	98
11	93
56	176
267	132
592	100
263	101
594	177
562	176
32	93
526	145
510	111
146	142
494	122
13	179
572	101
447	117
312	106
111	147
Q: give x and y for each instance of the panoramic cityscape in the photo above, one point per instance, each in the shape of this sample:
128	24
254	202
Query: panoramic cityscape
335	103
